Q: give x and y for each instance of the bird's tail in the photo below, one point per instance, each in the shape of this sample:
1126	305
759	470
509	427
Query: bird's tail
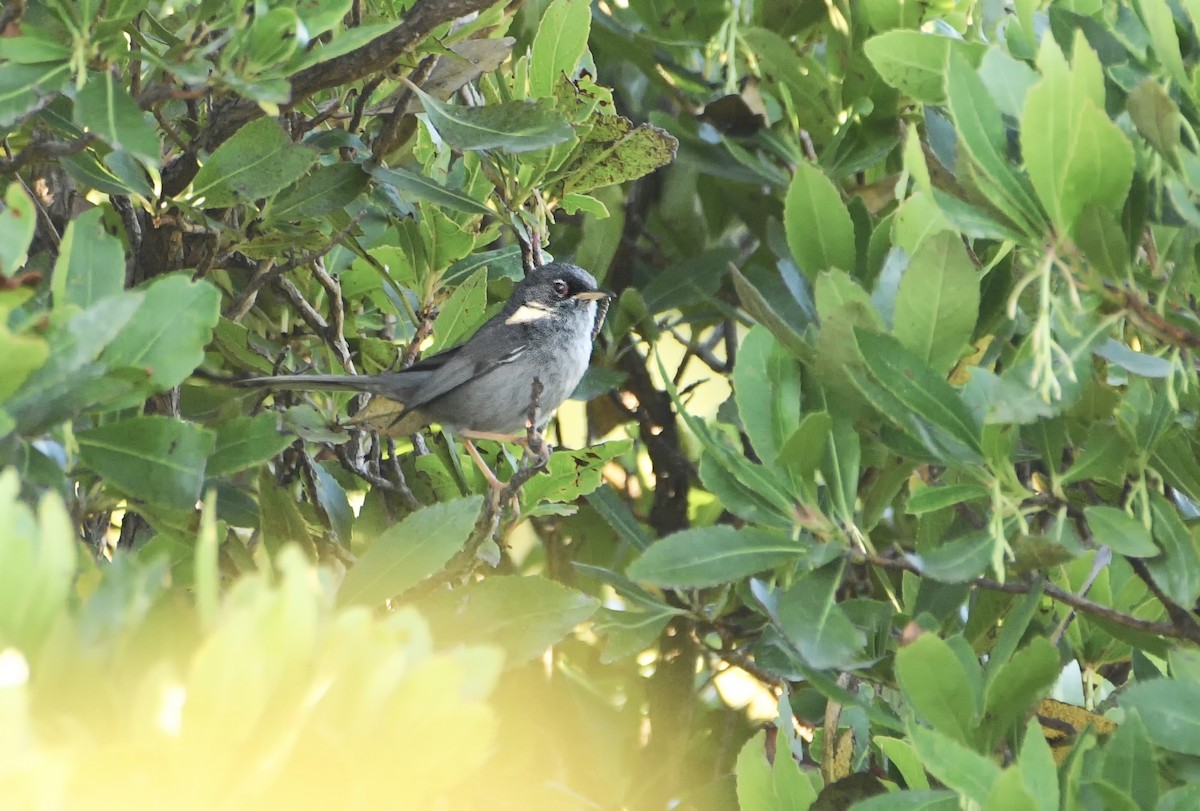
362	383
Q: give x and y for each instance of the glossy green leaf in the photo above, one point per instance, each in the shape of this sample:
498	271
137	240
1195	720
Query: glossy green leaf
929	408
766	386
1167	707
1113	527
819	231
327	189
812	620
982	134
956	766
1177	569
22	87
916	63
515	126
760	308
105	107
707	556
522	615
804	450
156	459
1018	684
559	44
167	337
256	162
461	313
958	560
936	686
1076	156
410	551
244	442
938	302
91	262
420	187
931	499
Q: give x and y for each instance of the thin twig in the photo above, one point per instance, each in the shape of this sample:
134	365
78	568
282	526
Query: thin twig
1164	629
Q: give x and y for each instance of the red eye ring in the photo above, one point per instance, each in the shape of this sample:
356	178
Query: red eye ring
561	288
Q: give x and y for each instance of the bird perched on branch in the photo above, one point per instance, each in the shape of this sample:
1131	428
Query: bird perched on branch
482	389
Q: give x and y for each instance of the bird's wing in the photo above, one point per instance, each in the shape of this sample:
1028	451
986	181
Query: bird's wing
459	370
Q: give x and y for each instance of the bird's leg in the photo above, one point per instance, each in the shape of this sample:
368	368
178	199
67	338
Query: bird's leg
492	481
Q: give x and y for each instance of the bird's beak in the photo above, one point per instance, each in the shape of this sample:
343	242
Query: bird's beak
594	295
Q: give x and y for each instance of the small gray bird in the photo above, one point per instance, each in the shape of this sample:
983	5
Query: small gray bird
481	389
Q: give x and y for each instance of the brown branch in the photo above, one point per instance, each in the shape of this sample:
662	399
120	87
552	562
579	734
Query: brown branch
394	132
1190	633
42	150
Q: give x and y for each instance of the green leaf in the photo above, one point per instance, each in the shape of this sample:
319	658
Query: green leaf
1038	769
22	87
1129	761
159	460
561	39
631	152
812	620
706	556
523	615
105	107
927	405
915	63
91	262
1019	684
20	356
763	785
616	514
327	189
958	560
279	517
931	499
819	231
244	442
937	687
955	765
256	162
462	312
1160	25
1009	793
1177	570
940	800
167	337
938	302
18	220
982	134
1168	709
766	386
1075	154
1156	117
804	450
421	187
1137	363
904	757
761	310
410	551
516	126
1112	526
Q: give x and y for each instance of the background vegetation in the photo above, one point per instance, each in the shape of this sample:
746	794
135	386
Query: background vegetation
885	492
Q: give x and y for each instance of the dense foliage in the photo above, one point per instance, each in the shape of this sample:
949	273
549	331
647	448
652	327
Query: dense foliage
885	492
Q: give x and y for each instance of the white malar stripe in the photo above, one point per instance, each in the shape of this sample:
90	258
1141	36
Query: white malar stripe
526	313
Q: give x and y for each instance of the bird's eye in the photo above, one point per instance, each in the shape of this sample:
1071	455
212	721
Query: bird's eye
560	288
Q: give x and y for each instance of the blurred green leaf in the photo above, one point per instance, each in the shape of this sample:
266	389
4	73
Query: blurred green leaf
155	459
766	385
931	499
461	313
17	223
954	764
769	784
1129	762
256	162
523	615
1177	569
91	262
1018	685
1156	117
20	356
23	86
412	550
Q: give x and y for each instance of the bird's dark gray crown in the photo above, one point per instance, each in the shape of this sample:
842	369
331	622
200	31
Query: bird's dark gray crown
539	285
